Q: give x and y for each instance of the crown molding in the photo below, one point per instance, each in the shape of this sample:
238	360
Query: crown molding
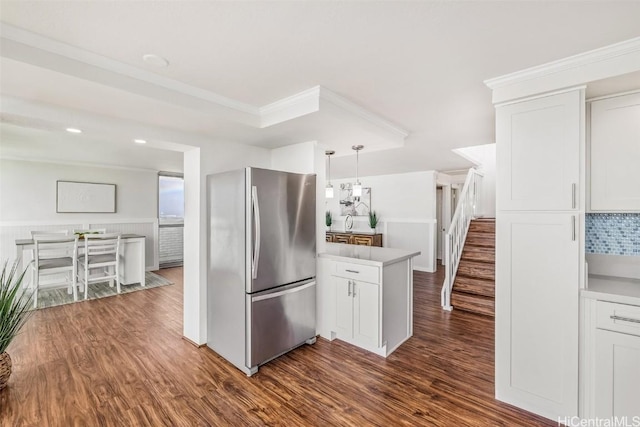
34	49
576	61
351	107
291	107
75	163
35	41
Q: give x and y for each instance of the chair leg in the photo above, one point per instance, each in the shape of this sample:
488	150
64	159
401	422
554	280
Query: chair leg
74	283
86	281
36	278
117	279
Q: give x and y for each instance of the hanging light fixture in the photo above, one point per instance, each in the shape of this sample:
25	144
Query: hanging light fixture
328	191
357	187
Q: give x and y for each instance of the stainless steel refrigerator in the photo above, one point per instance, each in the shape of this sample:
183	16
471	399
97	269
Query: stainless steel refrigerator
261	288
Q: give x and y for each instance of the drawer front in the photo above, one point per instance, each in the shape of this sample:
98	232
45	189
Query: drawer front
366	273
618	317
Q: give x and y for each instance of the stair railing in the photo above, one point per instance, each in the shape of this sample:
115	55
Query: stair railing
457	233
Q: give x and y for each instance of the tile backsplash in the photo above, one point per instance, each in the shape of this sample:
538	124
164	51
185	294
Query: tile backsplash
613	233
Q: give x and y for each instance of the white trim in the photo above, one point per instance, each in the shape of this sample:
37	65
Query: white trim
423	269
411	220
580	60
300	104
32	48
542	95
46	44
345	104
614	95
80	220
72	163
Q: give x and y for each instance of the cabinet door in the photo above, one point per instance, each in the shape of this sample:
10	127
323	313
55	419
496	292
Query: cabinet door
344	307
359	239
617	375
342	238
366	328
537	281
538	153
615	153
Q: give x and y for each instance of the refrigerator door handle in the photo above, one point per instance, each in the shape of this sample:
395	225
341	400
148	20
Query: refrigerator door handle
285	292
256	220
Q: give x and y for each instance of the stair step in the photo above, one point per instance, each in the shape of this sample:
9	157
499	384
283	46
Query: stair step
482	227
475	286
479	254
479	270
481	239
473	303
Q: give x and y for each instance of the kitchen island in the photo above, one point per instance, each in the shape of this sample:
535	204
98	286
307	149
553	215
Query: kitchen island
365	296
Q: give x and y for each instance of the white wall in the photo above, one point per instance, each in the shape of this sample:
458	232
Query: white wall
198	163
406	206
28	201
28	190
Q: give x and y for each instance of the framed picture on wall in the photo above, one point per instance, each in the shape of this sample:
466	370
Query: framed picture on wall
352	205
85	197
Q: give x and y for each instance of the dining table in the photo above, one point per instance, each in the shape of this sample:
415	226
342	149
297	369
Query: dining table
132	257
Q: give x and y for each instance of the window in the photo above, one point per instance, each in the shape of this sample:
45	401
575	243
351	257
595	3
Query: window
170	218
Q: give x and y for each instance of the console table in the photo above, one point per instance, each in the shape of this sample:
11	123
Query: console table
367	239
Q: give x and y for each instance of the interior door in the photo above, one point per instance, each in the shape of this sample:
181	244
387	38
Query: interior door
284	228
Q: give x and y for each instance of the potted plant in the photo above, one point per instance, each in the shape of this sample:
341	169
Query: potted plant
373	220
15	302
328	220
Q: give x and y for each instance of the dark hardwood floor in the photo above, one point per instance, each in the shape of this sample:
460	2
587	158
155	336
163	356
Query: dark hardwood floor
121	361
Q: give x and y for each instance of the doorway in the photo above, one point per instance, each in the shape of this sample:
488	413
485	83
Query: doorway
170	219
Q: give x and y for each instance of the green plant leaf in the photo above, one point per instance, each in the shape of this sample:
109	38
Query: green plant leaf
15	304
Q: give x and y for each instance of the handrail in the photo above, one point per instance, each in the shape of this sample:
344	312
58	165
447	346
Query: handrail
457	233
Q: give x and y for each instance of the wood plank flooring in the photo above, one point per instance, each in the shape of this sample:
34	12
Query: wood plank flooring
121	361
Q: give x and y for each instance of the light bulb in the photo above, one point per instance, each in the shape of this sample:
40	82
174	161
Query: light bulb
328	191
357	189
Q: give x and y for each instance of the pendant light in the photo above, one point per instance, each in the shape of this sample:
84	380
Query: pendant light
357	187
328	191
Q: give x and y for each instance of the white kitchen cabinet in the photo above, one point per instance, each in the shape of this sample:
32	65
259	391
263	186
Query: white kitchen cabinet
537	305
615	154
617	375
538	153
357	311
365	296
611	350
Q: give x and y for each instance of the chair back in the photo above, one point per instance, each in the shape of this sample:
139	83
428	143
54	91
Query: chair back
102	244
54	246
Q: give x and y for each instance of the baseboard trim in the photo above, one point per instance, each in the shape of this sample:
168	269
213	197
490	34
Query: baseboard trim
193	343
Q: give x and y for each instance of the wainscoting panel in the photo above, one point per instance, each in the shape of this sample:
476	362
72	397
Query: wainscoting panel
413	235
147	229
11	231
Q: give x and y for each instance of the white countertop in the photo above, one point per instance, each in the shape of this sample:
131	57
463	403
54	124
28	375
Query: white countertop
367	255
613	289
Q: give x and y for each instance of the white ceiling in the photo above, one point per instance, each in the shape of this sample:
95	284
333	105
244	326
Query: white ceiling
418	65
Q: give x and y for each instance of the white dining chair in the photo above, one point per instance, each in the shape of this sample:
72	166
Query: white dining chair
54	254
101	252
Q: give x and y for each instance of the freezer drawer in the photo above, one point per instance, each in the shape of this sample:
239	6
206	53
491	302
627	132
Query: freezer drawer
281	319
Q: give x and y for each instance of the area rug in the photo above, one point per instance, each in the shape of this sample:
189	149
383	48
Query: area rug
59	296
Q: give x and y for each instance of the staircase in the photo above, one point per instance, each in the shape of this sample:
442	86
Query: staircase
474	285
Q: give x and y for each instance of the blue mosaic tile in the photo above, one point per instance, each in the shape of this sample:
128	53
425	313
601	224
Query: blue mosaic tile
613	233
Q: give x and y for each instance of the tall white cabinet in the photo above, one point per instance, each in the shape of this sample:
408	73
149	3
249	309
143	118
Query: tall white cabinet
539	230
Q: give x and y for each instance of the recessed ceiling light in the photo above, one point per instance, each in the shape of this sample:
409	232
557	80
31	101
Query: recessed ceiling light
155	60
139	141
73	130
